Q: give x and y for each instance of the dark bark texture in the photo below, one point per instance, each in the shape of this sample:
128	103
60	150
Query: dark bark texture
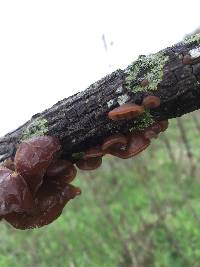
81	121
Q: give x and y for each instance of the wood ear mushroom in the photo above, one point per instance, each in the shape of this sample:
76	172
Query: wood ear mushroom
126	112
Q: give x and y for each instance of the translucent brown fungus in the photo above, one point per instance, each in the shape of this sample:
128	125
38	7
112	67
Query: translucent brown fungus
136	144
154	130
34	155
89	164
117	140
149	134
126	112
164	125
151	101
14	193
61	172
93	152
49	203
34	182
187	60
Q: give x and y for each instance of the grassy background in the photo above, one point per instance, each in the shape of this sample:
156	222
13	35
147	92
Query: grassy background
139	212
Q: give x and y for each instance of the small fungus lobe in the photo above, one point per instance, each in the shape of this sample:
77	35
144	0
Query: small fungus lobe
14	193
151	101
33	156
89	164
126	112
136	144
94	152
116	141
187	60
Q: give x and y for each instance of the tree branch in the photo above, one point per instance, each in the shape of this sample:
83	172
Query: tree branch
81	121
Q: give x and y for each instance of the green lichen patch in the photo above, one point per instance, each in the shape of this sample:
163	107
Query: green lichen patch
193	39
146	67
38	127
143	122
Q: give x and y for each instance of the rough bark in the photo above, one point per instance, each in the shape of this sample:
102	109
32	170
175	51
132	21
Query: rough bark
81	120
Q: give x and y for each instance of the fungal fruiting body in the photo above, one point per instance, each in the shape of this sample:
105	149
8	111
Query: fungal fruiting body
151	101
36	191
35	184
126	112
91	160
15	195
187	59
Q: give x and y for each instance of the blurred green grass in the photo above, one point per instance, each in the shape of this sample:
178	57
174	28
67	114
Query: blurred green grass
140	212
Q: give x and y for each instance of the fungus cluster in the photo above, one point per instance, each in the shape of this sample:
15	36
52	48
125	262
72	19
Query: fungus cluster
132	144
35	184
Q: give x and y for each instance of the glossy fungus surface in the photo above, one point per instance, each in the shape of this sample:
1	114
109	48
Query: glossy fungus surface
33	156
49	203
164	125
93	152
136	144
187	60
89	164
151	101
114	141
127	111
61	172
14	193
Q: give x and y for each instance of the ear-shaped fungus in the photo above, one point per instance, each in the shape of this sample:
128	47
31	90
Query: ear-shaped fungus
154	130
93	152
126	112
187	60
61	172
114	142
14	193
35	155
49	202
89	164
164	125
136	144
151	101
91	160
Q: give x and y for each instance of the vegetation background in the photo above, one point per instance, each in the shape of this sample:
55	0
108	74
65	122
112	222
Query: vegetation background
141	212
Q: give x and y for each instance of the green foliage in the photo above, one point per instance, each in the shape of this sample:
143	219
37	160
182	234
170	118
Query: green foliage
138	212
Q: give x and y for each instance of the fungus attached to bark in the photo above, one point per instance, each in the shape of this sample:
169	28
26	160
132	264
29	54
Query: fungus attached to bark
35	155
117	140
136	144
93	152
164	125
126	112
89	164
49	203
151	101
61	172
187	60
15	195
149	134
154	130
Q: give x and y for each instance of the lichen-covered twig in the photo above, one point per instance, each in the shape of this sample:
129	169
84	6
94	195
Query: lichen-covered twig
82	121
